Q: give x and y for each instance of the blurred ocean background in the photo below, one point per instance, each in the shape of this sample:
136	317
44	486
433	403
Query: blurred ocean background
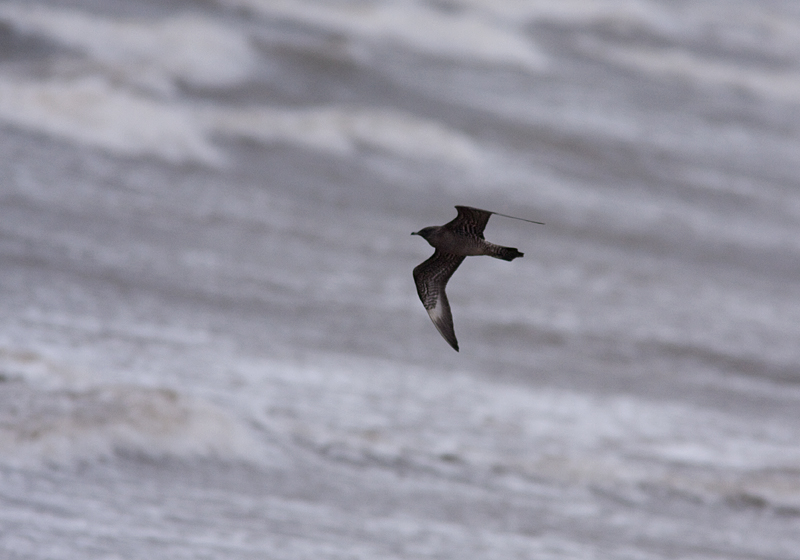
211	345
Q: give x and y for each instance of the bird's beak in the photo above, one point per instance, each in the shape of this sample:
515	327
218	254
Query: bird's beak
414	233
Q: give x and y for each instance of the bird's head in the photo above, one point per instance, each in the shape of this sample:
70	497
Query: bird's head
425	233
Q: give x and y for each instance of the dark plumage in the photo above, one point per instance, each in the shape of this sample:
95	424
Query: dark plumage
454	241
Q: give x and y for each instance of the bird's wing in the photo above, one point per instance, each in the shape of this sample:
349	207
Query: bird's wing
470	221
431	277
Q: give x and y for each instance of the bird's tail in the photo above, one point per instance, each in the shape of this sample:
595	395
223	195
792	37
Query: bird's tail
505	253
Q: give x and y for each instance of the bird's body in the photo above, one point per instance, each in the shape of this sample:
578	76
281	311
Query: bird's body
465	244
454	241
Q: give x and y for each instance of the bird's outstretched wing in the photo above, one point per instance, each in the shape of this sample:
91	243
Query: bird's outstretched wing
470	221
431	277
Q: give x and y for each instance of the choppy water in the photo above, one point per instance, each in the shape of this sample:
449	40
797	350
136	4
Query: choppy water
211	343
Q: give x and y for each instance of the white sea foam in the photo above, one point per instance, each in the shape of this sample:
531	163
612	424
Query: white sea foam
90	110
343	130
566	10
460	34
110	105
778	85
751	25
93	111
151	54
548	433
64	426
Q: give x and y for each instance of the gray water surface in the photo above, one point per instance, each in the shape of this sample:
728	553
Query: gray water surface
212	345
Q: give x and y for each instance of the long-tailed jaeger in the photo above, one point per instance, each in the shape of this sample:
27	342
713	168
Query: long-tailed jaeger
454	241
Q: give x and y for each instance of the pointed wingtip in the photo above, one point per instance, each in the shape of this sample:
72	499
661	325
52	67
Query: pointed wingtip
443	322
449	338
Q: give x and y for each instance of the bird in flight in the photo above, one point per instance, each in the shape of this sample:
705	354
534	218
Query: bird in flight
453	242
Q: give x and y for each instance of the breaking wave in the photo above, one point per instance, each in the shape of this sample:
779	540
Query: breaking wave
457	34
154	55
60	426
